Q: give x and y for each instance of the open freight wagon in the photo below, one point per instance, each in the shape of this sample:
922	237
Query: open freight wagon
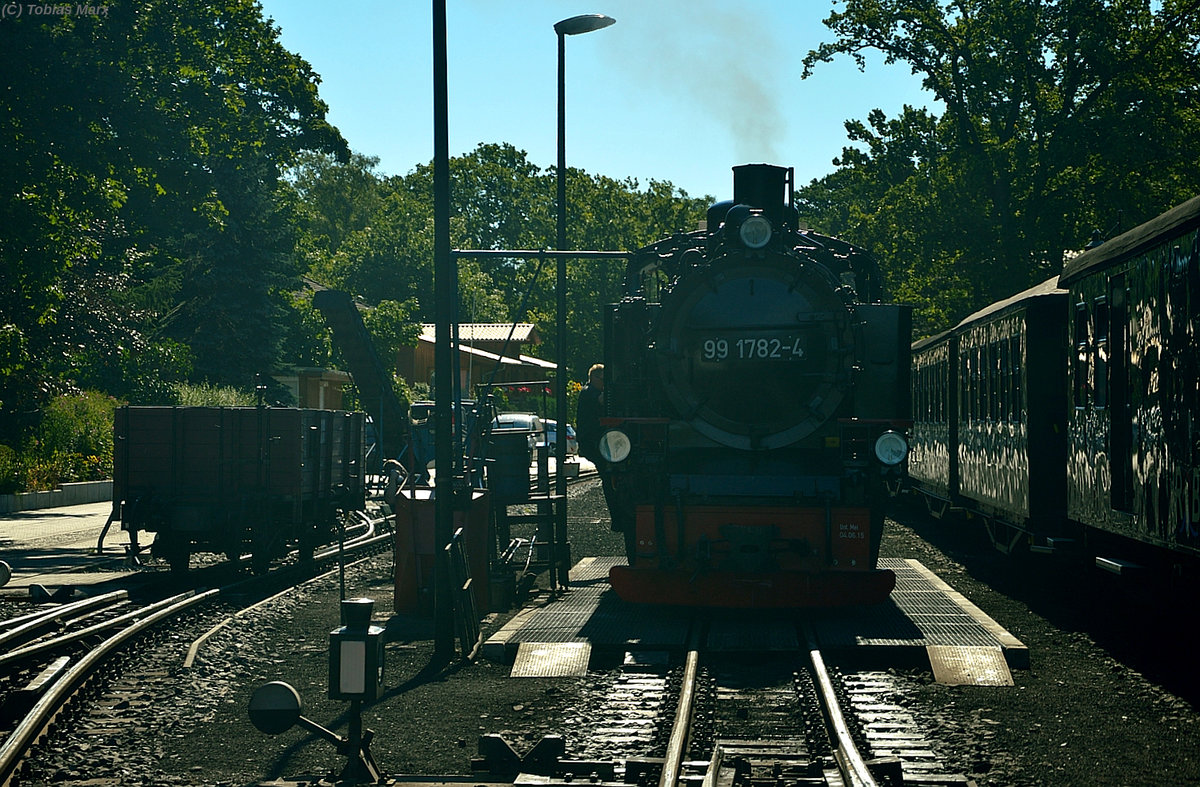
233	480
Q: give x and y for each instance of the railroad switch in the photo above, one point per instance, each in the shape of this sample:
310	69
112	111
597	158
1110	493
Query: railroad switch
499	760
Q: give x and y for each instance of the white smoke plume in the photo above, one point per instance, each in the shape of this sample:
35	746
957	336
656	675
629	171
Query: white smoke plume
722	59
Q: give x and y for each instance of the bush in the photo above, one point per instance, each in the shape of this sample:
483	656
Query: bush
73	442
205	395
12	474
77	425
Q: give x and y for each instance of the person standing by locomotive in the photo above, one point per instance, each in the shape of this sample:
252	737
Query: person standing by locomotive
587	415
587	422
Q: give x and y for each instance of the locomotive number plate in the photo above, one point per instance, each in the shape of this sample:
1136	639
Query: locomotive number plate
752	348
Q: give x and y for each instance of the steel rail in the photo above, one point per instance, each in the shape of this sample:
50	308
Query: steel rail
364	543
681	729
39	718
50	645
29	626
850	762
359	542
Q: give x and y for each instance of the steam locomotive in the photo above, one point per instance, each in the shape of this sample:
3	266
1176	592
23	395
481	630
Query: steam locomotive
756	407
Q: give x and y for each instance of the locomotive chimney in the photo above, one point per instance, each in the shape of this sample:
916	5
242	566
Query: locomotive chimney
768	187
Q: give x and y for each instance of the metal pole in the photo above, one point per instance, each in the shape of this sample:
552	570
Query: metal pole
558	541
443	360
562	145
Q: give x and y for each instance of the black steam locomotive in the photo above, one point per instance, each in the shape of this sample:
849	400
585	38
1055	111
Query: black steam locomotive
757	397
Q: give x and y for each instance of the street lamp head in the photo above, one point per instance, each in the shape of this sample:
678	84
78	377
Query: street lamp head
584	23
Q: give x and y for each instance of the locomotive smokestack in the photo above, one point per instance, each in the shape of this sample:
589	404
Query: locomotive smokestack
768	187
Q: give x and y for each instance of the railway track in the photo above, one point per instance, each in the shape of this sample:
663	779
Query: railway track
735	720
757	722
56	660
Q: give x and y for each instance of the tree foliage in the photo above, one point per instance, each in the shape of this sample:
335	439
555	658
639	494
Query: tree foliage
499	200
1058	117
141	154
168	178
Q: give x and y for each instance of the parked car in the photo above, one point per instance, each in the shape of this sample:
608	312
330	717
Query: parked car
552	437
524	422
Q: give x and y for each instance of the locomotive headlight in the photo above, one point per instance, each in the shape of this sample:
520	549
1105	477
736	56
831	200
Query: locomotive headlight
891	448
615	446
755	232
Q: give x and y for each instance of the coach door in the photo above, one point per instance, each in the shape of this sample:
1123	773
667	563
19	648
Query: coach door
1120	427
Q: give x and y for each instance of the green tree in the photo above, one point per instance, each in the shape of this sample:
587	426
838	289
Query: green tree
1059	115
391	327
140	158
611	215
499	200
333	198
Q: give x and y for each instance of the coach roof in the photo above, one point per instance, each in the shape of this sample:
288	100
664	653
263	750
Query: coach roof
1175	221
1048	287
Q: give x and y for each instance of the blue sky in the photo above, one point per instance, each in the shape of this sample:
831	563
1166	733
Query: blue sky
677	90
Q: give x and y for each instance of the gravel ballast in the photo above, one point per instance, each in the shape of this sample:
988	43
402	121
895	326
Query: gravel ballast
1109	697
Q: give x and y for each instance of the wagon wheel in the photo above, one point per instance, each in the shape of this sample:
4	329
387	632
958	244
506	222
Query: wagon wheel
258	520
233	553
178	559
173	550
306	545
260	559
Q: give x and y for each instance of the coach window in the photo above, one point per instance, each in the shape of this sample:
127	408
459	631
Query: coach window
941	391
971	380
985	382
927	392
980	376
1193	279
966	402
919	408
1079	392
1100	367
1005	383
1014	369
999	390
989	381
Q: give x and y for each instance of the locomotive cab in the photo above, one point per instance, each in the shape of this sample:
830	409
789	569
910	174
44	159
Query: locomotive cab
759	404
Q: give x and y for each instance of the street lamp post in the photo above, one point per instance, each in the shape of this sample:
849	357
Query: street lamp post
574	25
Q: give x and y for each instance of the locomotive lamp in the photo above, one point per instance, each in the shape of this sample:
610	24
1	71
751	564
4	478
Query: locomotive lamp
615	446
891	448
755	232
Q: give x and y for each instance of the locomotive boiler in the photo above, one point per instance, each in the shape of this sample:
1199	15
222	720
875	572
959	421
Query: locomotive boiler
757	401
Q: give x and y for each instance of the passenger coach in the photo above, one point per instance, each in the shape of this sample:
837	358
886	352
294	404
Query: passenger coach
1133	464
988	431
1072	409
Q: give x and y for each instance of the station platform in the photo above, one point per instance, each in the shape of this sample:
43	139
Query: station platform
55	549
923	622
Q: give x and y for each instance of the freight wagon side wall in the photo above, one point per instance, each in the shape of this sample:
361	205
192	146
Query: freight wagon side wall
211	468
